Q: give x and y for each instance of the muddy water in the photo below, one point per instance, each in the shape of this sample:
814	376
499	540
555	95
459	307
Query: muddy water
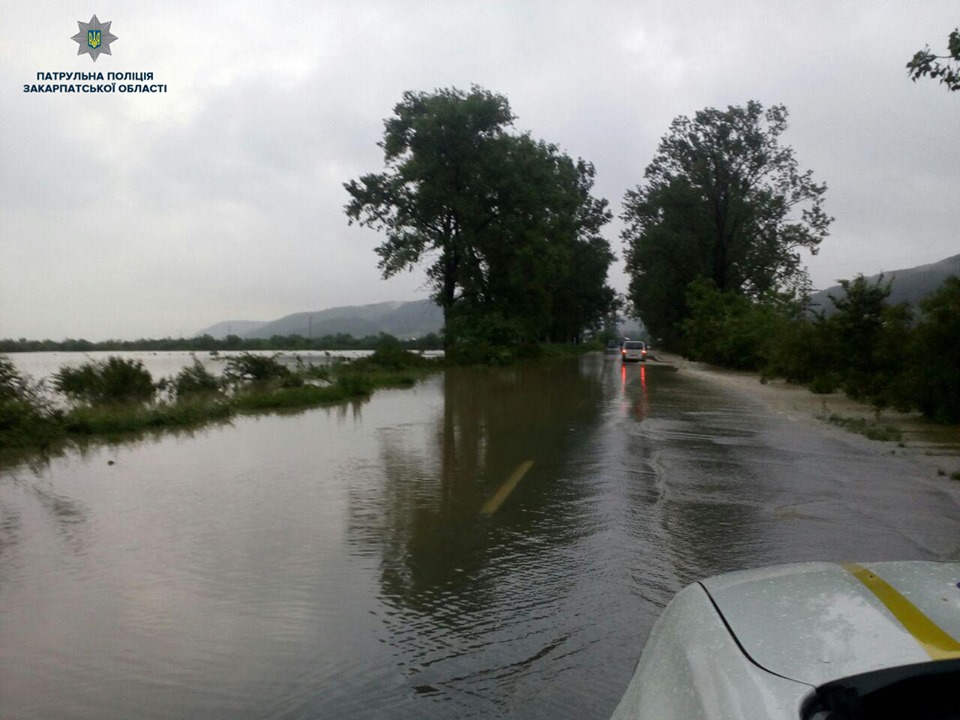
338	563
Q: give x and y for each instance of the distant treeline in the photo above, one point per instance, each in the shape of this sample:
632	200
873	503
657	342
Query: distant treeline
340	341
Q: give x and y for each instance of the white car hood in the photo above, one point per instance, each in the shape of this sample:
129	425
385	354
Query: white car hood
816	622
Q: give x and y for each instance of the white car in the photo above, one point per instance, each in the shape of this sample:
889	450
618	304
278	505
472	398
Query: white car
633	350
812	641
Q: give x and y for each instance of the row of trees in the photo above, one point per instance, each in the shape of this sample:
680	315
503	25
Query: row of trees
507	225
509	229
713	240
510	233
873	351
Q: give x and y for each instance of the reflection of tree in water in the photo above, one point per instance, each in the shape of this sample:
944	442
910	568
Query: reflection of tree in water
424	522
66	515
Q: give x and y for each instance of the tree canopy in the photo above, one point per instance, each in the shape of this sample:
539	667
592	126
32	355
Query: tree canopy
926	63
724	200
506	224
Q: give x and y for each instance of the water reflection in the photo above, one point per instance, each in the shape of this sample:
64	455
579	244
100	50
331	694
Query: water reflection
426	522
637	402
456	585
64	513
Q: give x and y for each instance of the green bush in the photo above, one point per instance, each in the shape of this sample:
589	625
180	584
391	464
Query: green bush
800	352
23	424
391	355
194	379
101	382
10	381
867	335
480	353
483	338
730	329
26	416
14	386
353	384
824	384
256	367
934	365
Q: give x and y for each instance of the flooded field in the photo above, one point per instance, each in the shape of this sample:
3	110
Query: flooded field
41	365
349	561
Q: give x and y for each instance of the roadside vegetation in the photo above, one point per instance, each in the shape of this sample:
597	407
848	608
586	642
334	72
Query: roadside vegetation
871	429
118	396
712	242
883	355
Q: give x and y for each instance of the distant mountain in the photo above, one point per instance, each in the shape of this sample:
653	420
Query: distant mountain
401	319
909	286
231	327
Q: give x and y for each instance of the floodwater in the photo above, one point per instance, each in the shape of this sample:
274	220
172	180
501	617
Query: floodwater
42	365
348	562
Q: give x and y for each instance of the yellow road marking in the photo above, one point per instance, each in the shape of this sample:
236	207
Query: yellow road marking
494	503
938	644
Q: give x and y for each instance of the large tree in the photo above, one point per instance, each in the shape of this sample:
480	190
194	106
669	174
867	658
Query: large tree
429	200
503	222
725	200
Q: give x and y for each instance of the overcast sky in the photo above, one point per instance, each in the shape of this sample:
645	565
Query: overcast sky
157	215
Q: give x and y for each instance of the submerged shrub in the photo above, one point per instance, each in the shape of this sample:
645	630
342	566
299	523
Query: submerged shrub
101	382
194	379
353	384
10	381
23	424
391	355
26	415
256	367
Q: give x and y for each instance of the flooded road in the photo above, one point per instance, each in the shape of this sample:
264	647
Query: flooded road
349	563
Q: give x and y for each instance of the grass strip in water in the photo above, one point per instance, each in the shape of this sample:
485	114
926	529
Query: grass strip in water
290	397
119	419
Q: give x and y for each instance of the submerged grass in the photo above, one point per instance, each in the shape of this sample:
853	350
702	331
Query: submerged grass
23	425
291	397
120	419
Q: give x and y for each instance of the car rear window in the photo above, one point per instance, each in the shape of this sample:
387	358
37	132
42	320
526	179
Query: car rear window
633	345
